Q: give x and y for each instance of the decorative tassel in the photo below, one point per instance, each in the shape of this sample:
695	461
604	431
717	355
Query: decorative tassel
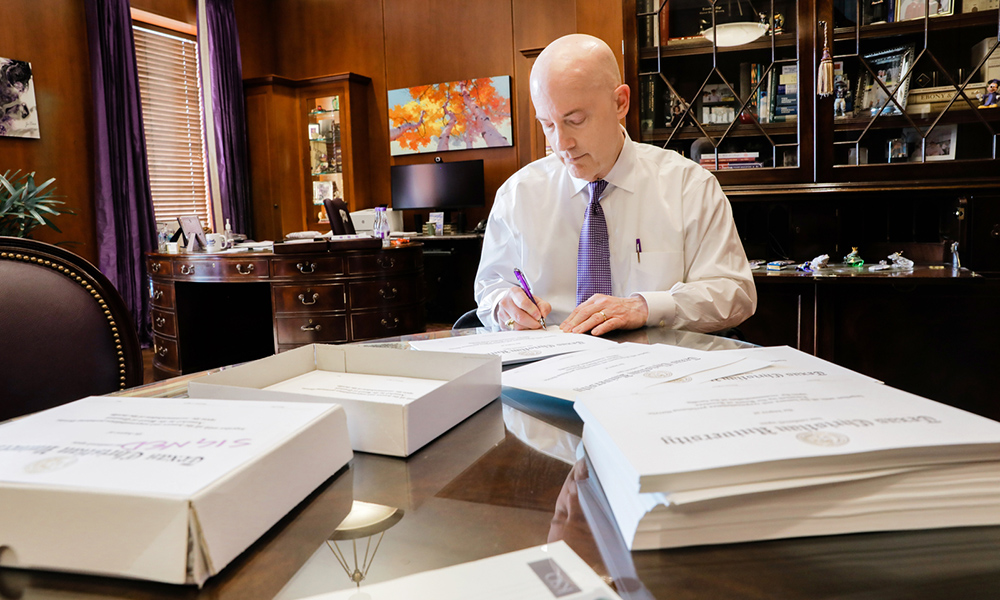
824	79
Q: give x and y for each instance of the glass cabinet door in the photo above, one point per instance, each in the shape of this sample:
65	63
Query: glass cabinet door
911	88
326	167
719	82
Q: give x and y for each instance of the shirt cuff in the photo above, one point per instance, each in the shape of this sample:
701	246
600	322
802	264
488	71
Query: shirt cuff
662	308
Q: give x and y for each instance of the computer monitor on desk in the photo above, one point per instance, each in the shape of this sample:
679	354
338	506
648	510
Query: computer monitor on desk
439	187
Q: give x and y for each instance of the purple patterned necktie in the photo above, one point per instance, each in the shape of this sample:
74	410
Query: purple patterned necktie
593	261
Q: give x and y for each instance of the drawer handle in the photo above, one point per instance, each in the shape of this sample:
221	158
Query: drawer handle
187	269
159	322
387	293
386	262
244	270
311	327
306	268
156	267
390	324
161	351
302	298
158	294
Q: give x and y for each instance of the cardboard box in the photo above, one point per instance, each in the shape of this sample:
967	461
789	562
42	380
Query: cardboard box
470	382
162	489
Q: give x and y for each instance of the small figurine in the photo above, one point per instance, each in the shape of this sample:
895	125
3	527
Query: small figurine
819	262
779	23
899	262
990	99
853	259
841	92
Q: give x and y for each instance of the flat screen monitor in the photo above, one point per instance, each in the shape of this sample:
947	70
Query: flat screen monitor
438	186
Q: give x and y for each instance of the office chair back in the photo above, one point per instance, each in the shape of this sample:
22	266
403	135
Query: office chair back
468	320
65	333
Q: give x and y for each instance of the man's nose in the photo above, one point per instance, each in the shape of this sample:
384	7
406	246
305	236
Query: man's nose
563	141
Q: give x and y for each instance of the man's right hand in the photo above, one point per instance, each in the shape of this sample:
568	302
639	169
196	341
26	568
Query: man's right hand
517	311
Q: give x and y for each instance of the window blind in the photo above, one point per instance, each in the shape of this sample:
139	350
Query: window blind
172	116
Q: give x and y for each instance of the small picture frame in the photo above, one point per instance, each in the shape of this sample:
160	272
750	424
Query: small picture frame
941	143
914	9
194	234
889	66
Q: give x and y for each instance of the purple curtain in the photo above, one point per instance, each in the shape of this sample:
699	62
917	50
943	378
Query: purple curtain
123	205
229	113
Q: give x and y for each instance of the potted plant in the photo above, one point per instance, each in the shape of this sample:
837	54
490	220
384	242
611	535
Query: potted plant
24	205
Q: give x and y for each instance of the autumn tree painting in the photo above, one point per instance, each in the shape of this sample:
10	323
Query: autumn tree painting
459	115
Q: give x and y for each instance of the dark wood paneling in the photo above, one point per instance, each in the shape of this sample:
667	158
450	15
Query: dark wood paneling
258	44
185	11
315	38
603	19
470	39
61	73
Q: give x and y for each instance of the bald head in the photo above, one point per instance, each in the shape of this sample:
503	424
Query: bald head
579	99
576	59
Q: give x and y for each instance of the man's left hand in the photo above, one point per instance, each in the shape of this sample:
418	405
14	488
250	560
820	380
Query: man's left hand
600	314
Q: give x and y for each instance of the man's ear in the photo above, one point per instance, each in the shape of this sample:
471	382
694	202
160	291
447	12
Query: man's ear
622	95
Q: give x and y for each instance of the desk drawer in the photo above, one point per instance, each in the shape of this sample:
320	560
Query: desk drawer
319	265
165	353
392	292
164	323
387	322
163	295
201	270
308	298
246	269
308	330
158	268
385	262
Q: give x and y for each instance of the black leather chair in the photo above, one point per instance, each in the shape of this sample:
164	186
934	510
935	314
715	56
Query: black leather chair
468	320
65	333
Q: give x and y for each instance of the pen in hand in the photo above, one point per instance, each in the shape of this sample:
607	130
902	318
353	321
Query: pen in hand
527	290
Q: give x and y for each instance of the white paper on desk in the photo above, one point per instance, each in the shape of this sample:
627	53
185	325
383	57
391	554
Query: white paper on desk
145	445
517	346
387	389
696	437
623	369
539	573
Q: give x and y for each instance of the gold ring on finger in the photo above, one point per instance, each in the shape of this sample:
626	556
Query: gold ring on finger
603	315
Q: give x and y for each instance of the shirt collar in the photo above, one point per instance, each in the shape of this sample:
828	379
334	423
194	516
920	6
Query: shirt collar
621	175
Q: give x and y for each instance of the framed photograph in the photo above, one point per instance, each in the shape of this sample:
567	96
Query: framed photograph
914	9
942	141
193	232
889	66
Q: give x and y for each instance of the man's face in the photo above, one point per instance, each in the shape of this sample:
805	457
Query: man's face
581	125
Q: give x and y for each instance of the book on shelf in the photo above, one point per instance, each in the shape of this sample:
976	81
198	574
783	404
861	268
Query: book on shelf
651	28
656	106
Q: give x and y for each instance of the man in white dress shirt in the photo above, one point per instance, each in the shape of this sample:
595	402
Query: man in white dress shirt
676	260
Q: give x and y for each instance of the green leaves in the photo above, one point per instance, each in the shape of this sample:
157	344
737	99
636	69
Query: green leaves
25	205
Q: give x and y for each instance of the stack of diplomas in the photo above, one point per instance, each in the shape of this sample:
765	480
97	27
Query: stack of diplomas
795	449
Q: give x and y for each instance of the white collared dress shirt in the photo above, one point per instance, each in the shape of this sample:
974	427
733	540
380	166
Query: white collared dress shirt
692	269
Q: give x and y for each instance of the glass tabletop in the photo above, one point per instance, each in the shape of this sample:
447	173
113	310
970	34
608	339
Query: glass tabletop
512	476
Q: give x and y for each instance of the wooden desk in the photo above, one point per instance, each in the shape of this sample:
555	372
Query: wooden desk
211	310
494	484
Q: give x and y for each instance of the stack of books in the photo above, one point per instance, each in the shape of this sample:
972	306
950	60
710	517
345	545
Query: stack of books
798	455
731	160
784	94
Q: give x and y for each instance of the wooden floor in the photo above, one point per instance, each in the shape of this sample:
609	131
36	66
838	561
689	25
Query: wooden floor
147	353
